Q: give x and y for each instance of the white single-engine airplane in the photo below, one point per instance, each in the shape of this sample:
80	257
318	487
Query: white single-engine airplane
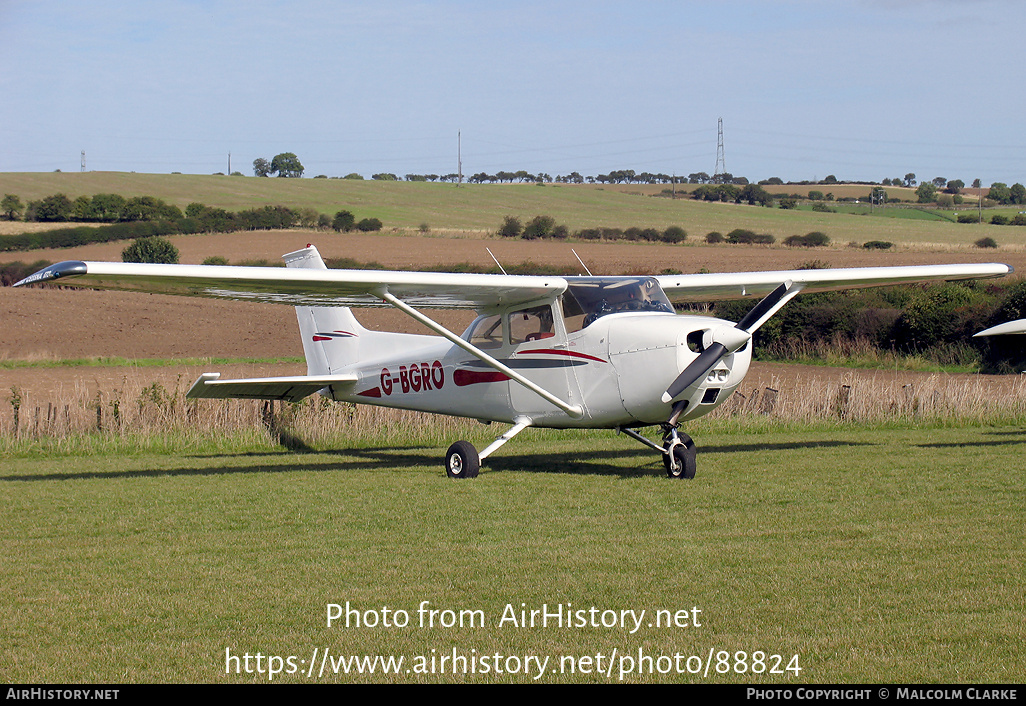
556	352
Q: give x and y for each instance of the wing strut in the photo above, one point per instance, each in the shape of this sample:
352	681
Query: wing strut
574	411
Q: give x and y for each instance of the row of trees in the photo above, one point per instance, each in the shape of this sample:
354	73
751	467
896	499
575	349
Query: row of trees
545	227
101	208
287	164
197	218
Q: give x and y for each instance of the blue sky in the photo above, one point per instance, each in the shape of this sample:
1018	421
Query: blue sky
863	89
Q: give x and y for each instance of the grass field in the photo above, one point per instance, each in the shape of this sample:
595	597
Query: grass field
481	207
876	555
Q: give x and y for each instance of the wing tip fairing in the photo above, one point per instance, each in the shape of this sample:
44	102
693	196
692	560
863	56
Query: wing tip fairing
68	268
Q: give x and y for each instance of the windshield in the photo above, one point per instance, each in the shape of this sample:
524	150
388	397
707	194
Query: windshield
589	298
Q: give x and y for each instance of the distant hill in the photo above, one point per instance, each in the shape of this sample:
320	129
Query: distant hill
481	207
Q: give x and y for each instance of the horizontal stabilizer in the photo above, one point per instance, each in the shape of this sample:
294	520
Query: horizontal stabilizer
290	389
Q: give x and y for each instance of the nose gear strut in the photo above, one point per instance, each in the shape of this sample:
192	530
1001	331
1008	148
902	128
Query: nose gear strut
678	449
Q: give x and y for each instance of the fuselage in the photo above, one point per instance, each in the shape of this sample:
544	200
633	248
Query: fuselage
608	345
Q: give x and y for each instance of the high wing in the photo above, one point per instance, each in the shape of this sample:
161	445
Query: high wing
438	290
307	287
739	285
1009	327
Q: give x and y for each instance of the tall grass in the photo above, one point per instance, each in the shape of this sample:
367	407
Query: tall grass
137	415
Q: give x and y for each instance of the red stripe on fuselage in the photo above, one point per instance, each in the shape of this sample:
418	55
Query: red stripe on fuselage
462	378
556	351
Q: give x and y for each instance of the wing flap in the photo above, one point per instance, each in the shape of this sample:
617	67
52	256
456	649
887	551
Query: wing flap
290	389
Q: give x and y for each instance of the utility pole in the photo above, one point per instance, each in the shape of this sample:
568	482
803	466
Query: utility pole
459	158
229	172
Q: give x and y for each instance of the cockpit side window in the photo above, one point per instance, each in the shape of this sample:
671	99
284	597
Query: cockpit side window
532	324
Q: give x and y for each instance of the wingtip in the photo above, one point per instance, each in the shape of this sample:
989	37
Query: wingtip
61	269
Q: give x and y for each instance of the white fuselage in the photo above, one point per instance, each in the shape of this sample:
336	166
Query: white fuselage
616	368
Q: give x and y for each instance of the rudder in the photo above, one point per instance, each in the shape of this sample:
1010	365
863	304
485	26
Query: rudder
331	334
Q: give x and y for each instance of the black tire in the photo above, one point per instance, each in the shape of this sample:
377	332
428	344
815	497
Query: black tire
462	461
686	456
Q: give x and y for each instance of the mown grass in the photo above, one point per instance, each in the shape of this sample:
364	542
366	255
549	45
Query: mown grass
890	554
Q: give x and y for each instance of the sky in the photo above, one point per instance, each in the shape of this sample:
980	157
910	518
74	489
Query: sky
860	89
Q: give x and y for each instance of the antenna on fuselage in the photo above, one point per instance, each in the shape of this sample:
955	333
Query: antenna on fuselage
582	262
496	260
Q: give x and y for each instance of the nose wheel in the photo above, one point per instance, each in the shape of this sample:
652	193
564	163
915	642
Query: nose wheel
679	456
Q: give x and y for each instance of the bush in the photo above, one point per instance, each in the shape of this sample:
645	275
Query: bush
815	239
878	245
742	236
714	237
539	227
216	260
343	222
368	225
511	227
674	234
999	220
986	243
152	249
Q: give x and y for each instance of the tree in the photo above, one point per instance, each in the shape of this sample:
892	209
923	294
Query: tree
511	227
287	164
151	249
109	208
261	167
11	206
910	179
539	227
343	222
754	194
54	208
927	192
1017	193
999	192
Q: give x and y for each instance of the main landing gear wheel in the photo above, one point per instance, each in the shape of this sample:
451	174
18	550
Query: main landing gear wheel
462	461
684	463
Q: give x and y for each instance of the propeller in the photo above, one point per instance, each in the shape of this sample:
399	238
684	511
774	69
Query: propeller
727	339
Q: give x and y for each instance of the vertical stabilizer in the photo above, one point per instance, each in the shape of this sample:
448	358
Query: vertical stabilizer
331	334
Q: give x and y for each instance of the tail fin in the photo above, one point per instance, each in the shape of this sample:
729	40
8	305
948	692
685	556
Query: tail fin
331	334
